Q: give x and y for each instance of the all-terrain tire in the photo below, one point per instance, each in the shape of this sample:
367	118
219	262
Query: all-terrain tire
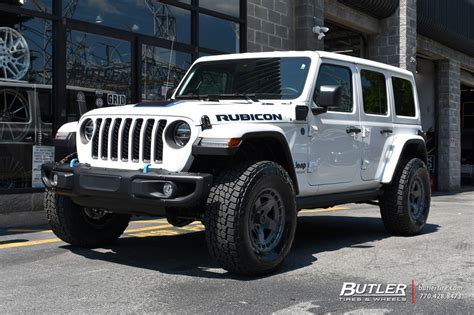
251	218
71	224
405	204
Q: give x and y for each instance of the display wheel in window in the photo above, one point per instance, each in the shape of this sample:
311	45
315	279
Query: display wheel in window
14	54
14	115
12	173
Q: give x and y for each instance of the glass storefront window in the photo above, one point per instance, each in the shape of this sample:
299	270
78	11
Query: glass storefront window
149	17
25	98
98	72
161	70
229	7
98	69
218	34
38	5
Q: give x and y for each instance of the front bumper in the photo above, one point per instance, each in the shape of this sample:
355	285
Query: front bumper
126	191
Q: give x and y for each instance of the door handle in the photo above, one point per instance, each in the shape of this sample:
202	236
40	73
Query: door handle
353	129
385	131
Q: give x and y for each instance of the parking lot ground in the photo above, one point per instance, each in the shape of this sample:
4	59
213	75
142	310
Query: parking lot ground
155	267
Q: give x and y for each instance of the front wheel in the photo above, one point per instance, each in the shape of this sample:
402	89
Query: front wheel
251	218
80	226
405	203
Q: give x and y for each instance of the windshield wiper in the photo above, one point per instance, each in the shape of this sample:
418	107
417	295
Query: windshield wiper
249	97
202	97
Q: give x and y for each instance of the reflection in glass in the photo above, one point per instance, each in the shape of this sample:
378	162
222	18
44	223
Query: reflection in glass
229	7
218	34
161	70
25	95
149	17
99	63
263	78
39	5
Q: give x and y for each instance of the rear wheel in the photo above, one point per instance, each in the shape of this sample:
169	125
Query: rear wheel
405	204
251	218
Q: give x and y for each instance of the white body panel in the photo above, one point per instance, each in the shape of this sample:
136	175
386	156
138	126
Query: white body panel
68	128
326	158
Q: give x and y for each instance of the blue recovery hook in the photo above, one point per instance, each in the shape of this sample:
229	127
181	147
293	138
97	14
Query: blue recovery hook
73	163
146	168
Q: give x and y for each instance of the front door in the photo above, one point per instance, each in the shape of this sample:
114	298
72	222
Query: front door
335	147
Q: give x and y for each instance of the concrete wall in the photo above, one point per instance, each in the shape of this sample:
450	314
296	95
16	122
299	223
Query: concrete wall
395	44
426	87
308	13
449	131
270	25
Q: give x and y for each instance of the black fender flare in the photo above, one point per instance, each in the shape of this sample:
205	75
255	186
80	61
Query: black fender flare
277	136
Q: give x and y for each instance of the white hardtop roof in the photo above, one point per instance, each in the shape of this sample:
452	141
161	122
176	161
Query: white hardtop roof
307	53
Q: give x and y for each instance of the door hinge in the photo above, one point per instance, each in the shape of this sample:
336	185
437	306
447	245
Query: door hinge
364	165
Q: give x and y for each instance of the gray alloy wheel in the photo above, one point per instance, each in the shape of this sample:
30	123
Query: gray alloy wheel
267	221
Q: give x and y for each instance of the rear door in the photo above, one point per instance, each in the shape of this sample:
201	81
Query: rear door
376	119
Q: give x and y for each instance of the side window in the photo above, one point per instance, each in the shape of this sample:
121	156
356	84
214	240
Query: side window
336	75
403	95
374	92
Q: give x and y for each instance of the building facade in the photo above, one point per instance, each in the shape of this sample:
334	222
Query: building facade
61	58
432	38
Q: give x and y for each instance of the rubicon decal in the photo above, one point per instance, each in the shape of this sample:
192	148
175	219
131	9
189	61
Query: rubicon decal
245	117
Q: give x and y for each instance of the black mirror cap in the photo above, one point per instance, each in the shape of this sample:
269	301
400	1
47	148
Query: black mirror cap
301	112
319	110
330	96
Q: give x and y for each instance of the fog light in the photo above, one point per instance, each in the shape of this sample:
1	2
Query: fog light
54	180
168	190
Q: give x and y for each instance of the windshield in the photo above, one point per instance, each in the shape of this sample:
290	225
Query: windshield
262	78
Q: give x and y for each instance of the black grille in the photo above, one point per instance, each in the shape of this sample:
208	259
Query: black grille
105	139
136	140
147	141
115	137
125	135
95	139
159	142
128	139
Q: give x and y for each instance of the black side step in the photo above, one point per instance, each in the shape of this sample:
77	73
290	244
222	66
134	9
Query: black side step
329	200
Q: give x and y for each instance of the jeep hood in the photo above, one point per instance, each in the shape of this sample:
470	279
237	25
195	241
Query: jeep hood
218	112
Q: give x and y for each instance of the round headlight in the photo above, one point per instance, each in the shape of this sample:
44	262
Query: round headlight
181	133
88	130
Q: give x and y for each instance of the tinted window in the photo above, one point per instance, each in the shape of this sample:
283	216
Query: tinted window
266	78
336	75
403	94
374	92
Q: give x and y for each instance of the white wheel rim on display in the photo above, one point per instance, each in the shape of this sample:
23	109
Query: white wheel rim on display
14	54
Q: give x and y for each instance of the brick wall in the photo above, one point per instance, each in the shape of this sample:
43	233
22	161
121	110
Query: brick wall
307	14
449	129
408	35
385	46
395	44
270	25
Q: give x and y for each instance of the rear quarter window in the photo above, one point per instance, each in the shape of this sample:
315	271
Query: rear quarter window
403	96
374	92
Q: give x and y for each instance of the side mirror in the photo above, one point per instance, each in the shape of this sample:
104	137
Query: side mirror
330	96
169	93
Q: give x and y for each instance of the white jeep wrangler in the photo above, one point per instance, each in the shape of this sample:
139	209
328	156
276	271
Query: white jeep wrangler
245	142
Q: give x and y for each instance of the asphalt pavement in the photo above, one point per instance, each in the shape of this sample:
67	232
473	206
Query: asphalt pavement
156	268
